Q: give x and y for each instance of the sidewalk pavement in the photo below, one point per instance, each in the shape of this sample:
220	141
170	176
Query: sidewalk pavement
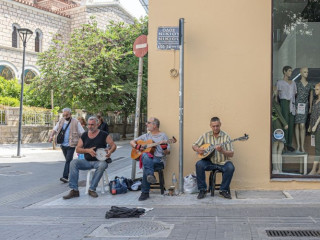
31	206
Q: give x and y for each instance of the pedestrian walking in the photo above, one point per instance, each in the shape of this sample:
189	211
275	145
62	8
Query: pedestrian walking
69	130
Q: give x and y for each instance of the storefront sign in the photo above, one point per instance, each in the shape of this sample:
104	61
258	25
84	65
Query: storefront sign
313	140
278	134
301	108
168	38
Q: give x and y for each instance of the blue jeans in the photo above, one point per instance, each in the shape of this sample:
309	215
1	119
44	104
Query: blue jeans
206	165
82	164
149	165
68	155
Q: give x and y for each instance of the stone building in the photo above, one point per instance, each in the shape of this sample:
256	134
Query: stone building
46	18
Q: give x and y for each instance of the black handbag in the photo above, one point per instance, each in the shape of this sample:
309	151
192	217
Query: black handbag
60	136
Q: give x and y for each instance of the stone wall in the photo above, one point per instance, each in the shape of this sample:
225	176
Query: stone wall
103	15
31	18
30	134
34	19
24	16
38	133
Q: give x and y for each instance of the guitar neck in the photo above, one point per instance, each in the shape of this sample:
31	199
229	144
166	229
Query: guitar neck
227	142
153	144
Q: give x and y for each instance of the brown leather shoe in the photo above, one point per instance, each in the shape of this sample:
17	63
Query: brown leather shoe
72	194
92	193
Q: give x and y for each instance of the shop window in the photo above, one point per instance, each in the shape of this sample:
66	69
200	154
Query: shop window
295	134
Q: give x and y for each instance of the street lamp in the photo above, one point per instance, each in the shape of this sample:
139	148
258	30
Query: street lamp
25	35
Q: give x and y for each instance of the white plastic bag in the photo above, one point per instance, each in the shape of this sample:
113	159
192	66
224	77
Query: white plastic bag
190	184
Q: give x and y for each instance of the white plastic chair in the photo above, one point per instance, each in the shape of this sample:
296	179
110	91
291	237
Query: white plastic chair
104	181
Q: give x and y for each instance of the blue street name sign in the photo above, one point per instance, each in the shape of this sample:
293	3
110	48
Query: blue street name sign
168	38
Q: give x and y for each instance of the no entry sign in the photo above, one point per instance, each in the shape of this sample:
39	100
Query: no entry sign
140	46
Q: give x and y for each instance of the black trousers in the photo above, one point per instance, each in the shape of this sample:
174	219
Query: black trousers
68	155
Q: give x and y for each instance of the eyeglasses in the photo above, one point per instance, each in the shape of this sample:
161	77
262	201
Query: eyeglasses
91	124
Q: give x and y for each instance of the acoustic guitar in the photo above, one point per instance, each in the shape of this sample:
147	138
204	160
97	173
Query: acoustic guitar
210	148
149	147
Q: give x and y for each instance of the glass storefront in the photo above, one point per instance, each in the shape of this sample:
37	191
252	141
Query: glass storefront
295	92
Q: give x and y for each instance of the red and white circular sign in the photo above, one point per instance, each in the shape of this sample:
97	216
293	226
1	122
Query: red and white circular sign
140	46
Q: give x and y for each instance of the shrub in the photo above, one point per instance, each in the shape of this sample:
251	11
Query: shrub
9	101
10	88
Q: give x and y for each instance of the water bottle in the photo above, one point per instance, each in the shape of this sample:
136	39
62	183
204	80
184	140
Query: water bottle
113	188
174	183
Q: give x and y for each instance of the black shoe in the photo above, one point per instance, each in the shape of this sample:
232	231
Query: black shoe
202	194
151	179
225	194
72	194
290	149
143	196
92	193
64	180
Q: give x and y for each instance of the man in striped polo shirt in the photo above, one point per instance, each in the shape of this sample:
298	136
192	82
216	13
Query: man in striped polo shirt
219	159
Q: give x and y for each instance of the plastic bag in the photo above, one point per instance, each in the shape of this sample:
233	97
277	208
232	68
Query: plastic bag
190	184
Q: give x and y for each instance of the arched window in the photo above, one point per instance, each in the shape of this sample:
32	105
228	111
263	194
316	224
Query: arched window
29	75
6	72
38	41
14	37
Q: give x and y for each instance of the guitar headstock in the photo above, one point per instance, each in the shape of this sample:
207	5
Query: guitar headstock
245	137
173	140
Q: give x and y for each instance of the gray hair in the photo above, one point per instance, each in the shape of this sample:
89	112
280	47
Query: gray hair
156	121
66	110
94	118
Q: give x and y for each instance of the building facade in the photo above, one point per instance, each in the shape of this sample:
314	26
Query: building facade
234	58
46	18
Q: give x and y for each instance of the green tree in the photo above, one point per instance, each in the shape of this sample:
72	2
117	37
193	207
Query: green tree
123	37
95	70
80	71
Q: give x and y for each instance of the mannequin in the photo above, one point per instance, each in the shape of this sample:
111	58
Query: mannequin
315	128
278	122
287	90
304	91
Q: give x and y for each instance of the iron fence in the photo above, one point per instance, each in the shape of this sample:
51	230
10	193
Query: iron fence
40	119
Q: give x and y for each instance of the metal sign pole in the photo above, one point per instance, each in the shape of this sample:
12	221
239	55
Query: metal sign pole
181	102
137	114
53	122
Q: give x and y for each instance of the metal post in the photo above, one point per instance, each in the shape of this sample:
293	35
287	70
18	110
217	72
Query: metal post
53	122
24	34
181	101
137	114
21	100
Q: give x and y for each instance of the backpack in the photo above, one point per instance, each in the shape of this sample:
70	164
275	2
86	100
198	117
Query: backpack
120	185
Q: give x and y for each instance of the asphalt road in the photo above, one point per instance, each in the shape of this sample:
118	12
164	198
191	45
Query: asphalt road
31	206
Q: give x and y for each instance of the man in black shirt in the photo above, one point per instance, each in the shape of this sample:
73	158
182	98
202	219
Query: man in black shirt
88	144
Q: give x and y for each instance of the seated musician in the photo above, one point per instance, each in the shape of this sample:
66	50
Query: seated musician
219	159
151	161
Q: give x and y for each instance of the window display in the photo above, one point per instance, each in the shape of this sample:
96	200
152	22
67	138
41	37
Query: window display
296	89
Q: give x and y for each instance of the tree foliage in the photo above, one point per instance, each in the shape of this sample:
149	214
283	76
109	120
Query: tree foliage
95	70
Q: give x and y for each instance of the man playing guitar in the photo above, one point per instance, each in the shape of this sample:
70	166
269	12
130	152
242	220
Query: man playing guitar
151	161
217	160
